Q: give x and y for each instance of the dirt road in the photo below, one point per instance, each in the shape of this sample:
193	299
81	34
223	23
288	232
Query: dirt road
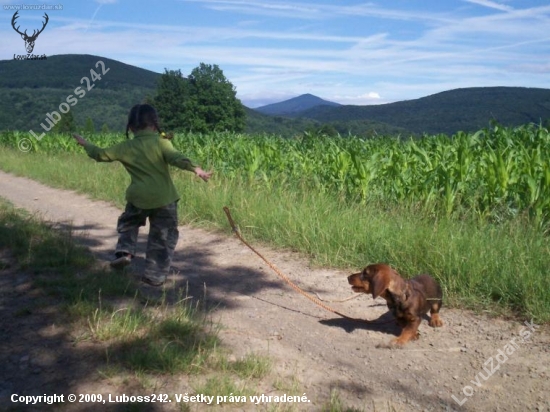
480	362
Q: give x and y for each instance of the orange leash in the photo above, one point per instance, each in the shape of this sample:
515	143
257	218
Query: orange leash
286	279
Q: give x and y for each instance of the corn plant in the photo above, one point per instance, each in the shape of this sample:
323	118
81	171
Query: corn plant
494	173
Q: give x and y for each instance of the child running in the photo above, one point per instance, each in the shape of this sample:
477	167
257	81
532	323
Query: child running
151	194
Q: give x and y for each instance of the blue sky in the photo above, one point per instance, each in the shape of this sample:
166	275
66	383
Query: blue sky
350	52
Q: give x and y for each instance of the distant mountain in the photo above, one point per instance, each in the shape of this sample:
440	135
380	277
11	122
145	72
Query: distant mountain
294	106
65	71
468	109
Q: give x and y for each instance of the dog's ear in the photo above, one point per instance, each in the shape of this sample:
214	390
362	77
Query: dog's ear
398	287
379	277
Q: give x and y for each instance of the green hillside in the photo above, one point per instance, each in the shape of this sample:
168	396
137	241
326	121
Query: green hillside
467	109
258	123
65	71
31	89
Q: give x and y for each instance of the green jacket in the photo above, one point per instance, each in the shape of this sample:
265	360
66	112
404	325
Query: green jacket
146	158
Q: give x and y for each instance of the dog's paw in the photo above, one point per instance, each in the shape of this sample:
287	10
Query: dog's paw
404	338
435	321
389	345
400	341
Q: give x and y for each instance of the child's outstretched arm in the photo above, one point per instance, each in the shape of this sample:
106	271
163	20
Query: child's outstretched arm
175	158
97	153
80	140
202	174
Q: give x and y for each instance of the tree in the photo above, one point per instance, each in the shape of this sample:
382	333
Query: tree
204	102
66	124
213	101
170	100
89	127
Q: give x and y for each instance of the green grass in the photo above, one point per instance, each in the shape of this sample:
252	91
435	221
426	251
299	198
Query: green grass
481	264
251	366
67	272
335	404
142	339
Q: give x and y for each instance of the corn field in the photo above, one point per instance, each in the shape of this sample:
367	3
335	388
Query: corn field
495	173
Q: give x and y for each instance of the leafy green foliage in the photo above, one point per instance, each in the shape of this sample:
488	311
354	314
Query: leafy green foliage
89	127
171	100
214	99
204	102
494	174
66	124
258	123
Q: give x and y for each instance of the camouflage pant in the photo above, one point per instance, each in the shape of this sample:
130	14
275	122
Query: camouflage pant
162	239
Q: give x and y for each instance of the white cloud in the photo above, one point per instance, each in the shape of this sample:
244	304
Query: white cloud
308	11
371	95
292	10
491	4
356	99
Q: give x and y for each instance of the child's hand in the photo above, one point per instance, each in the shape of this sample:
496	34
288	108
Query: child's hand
79	139
202	174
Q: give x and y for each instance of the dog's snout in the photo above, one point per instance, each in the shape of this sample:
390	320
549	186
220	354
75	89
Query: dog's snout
353	278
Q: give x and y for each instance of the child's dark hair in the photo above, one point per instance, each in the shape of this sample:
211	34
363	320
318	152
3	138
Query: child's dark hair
142	116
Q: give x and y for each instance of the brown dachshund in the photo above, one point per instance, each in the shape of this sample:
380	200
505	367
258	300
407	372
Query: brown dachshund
408	300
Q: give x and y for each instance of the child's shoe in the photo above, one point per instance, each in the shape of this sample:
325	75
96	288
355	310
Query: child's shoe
152	282
121	261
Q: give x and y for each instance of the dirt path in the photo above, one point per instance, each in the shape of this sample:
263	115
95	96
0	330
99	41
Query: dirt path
263	315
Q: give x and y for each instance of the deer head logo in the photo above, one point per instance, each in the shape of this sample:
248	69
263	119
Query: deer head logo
29	40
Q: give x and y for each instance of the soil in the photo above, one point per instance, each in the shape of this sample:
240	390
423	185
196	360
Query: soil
475	359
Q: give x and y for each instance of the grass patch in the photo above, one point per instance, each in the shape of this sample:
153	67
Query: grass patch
481	265
171	345
142	340
335	404
251	366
